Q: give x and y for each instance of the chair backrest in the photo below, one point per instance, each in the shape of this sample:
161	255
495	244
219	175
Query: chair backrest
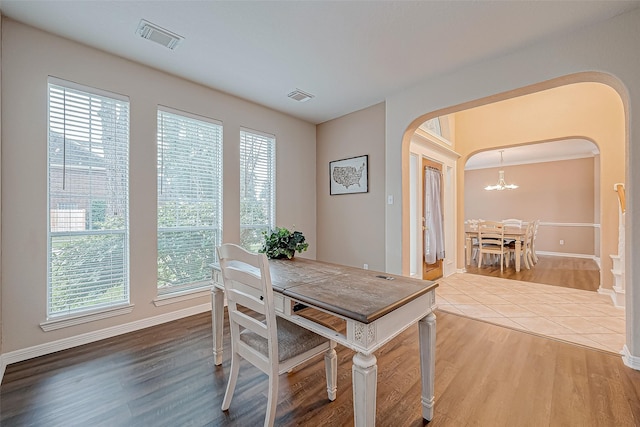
247	286
490	233
512	222
528	236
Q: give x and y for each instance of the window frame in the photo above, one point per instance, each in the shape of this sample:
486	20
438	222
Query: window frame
184	291
74	316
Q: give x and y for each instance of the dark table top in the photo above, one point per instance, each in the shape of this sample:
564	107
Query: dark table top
355	293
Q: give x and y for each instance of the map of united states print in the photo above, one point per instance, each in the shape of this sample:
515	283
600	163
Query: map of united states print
348	175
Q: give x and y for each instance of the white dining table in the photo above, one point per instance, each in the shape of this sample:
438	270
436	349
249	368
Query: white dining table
375	306
514	233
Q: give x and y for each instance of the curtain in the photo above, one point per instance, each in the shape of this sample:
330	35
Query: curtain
434	231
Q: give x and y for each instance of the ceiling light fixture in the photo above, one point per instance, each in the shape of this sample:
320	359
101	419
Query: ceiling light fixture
300	96
501	185
157	34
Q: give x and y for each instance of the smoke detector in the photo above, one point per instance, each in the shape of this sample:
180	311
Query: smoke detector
300	96
157	34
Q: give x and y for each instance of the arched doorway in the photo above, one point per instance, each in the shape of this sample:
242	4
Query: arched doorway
585	120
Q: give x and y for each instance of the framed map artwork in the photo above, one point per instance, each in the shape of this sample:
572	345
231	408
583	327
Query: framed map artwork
348	176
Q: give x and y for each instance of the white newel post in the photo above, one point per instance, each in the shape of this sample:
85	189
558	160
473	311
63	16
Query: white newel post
618	260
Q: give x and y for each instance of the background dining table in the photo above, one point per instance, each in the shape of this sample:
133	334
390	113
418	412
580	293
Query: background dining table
513	233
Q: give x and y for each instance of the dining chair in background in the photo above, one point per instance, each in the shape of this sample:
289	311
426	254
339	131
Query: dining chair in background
272	344
536	224
512	222
491	241
472	224
526	247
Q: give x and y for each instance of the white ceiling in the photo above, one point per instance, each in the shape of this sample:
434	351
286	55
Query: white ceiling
534	153
349	54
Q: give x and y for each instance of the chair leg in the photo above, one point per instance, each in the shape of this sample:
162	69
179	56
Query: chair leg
233	378
331	371
272	400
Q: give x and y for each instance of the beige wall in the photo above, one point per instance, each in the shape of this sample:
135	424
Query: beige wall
610	47
349	230
589	110
29	57
554	192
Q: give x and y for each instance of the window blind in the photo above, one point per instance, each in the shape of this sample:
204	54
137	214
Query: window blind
257	187
189	198
88	195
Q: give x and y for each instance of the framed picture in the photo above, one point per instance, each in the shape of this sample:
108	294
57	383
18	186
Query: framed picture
348	176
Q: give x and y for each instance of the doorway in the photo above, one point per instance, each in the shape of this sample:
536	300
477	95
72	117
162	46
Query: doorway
432	223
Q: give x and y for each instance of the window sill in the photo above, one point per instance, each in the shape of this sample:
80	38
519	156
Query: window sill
78	319
185	295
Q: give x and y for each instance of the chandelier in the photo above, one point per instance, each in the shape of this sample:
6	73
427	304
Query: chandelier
501	185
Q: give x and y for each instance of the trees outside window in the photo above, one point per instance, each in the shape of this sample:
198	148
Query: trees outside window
257	187
88	195
189	198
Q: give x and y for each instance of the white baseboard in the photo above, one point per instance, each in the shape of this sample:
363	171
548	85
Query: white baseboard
631	361
570	255
89	337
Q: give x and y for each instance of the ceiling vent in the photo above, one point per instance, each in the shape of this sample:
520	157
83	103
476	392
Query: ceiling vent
300	96
157	34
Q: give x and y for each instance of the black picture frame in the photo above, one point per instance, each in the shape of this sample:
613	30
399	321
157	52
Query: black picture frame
349	176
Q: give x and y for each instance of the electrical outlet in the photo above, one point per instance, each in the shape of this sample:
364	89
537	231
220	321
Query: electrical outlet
561	242
366	266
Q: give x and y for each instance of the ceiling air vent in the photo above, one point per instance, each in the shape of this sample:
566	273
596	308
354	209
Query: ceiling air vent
300	96
157	34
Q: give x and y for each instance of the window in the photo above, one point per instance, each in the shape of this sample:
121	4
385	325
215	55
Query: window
257	187
88	169
189	199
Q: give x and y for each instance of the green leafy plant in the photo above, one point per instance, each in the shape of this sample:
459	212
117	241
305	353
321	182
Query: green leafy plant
282	243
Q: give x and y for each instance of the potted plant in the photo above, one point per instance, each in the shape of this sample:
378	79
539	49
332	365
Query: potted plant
282	243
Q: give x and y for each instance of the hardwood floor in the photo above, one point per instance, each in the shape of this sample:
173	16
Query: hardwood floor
486	375
576	273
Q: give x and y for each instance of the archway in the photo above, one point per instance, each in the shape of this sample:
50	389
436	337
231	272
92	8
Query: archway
612	140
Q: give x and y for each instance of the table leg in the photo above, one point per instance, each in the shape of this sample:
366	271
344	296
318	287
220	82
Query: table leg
364	377
518	249
217	322
427	332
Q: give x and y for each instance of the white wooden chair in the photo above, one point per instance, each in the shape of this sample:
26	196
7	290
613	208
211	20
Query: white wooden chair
491	241
512	222
536	224
473	225
272	344
526	248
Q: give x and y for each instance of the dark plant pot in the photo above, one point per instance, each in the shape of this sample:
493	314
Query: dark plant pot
282	256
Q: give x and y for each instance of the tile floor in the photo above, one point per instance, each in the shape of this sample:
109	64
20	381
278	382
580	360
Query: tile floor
577	316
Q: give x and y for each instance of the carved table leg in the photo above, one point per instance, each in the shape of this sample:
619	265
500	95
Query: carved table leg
518	249
365	378
217	322
427	332
331	368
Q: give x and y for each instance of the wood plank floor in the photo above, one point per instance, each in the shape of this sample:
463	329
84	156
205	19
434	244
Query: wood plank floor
576	273
486	375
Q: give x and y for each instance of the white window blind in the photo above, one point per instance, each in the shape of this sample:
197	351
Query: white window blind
189	198
88	169
257	187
